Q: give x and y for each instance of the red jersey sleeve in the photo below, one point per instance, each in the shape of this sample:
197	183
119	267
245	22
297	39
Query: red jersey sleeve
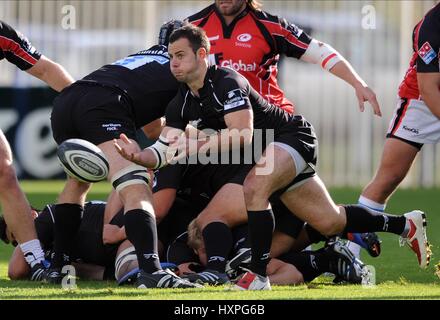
16	48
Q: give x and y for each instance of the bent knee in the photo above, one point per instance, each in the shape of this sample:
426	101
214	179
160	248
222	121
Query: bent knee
16	274
254	188
330	227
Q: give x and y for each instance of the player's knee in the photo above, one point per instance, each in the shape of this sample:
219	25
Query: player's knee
330	226
17	273
253	189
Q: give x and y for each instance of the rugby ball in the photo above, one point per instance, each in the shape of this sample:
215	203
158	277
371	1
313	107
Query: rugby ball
83	160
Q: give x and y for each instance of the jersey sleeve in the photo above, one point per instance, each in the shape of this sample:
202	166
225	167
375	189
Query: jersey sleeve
290	39
174	111
16	48
428	43
235	93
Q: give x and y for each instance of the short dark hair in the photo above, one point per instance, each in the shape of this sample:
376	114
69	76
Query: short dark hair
196	36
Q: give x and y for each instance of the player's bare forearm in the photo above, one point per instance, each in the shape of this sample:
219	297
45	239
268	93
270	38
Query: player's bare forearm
345	71
52	73
128	150
229	139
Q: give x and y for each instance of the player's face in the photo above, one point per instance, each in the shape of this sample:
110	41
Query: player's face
230	7
184	63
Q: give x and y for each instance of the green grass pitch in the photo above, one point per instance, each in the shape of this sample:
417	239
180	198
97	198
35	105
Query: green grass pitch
397	273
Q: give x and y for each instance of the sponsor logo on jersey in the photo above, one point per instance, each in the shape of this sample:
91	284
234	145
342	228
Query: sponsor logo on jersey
239	66
244	37
427	53
112	126
234	99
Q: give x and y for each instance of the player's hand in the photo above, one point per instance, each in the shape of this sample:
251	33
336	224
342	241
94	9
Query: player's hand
111	234
127	149
364	93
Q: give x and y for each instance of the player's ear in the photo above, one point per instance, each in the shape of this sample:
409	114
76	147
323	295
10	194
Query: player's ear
202	53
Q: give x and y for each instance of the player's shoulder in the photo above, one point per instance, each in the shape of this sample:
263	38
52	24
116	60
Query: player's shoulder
266	17
202	14
226	78
5	29
228	74
434	13
432	18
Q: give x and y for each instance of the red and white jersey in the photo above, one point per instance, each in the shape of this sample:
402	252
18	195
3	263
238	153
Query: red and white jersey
16	48
252	45
426	44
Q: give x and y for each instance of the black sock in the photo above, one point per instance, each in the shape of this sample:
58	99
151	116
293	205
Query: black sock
310	263
360	219
67	218
140	227
314	235
218	243
261	226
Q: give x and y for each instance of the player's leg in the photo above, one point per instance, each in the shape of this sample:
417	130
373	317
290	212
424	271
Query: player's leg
225	211
274	170
312	203
397	158
17	211
67	214
132	184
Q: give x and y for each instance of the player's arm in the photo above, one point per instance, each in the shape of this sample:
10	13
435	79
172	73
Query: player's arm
428	64
165	148
294	42
238	117
238	134
163	201
332	61
155	156
429	84
52	73
154	128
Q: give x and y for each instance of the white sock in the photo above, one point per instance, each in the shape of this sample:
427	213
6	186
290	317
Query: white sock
372	205
32	252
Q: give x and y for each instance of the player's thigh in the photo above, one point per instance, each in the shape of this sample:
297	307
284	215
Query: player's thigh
227	206
274	170
312	203
116	161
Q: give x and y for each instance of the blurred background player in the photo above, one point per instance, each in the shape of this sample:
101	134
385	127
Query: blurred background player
416	119
17	49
